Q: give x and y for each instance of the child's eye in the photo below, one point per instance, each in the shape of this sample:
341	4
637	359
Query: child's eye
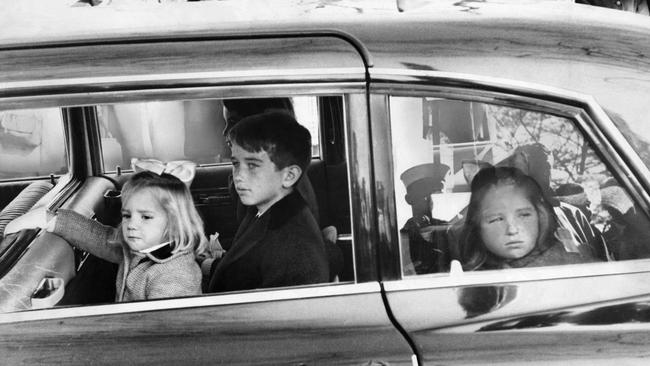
126	215
492	220
147	217
235	163
252	166
525	214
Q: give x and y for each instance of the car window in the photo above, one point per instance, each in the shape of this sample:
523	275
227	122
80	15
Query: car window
193	130
173	130
582	213
24	153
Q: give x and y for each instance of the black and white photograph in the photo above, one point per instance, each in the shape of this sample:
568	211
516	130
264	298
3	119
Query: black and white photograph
325	182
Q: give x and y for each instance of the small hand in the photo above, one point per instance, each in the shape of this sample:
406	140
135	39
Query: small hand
330	234
214	246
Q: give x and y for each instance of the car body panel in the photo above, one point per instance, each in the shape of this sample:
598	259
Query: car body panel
545	56
342	325
585	321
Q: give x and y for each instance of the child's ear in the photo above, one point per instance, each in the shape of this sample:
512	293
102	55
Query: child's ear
291	175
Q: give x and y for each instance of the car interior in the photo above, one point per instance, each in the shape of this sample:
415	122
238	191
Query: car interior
188	130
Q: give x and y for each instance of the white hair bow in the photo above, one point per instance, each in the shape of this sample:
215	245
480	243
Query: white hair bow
181	169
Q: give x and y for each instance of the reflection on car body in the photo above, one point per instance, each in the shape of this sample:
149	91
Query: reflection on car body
404	109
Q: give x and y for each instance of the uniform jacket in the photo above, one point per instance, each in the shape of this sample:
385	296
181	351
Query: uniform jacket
158	274
282	247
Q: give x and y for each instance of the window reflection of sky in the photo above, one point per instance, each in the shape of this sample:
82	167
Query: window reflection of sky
447	205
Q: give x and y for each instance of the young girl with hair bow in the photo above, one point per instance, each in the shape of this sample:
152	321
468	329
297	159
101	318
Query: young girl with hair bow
158	242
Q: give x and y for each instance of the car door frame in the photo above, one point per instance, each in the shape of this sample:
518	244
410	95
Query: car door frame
427	306
346	322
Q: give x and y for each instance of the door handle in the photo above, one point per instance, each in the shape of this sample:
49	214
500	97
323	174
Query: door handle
48	293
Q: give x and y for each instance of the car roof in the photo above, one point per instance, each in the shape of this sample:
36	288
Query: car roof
31	22
594	51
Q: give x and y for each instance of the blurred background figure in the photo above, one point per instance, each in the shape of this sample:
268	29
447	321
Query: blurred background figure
574	194
426	245
623	226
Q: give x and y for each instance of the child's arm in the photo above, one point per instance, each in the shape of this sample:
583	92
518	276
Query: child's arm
88	235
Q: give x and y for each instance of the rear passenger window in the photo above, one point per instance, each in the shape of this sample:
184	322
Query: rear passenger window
32	143
448	151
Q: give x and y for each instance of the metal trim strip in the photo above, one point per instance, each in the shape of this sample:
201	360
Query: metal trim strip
474	278
194	302
252	76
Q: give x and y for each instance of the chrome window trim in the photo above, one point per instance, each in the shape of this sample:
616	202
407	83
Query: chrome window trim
230	77
206	300
170	93
350	103
358	143
516	275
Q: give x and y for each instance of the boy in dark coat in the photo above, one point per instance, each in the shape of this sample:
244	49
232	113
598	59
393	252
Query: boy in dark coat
278	243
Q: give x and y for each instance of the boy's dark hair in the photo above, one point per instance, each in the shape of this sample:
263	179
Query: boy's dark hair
279	134
249	107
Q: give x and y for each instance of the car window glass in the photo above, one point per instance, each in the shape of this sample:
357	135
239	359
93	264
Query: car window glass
439	147
23	150
319	211
173	130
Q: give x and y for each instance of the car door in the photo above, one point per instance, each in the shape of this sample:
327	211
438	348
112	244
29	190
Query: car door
442	130
342	322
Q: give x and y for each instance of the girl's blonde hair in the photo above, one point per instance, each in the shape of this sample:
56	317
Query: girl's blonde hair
184	225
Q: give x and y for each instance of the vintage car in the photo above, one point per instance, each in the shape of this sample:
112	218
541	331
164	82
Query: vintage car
406	101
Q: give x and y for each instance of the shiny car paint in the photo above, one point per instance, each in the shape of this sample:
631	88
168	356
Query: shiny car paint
570	59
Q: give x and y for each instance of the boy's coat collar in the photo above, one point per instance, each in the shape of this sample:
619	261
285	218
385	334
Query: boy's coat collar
253	229
284	209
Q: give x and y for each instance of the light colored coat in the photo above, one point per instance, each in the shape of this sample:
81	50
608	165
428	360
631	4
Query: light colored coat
139	276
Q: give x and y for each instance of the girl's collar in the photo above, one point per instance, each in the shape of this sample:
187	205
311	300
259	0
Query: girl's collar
154	248
159	253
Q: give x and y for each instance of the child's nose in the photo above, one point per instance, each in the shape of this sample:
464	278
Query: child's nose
237	175
513	227
130	223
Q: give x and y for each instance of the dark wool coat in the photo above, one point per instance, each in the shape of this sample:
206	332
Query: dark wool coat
154	275
282	247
